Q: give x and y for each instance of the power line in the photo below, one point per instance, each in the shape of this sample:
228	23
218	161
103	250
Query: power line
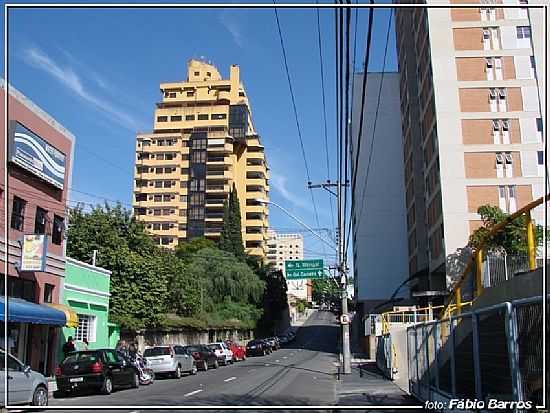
346	120
363	95
295	112
371	148
338	28
324	106
104	160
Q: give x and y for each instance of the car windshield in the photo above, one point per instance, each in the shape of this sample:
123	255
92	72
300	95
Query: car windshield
254	342
156	351
192	348
215	346
81	356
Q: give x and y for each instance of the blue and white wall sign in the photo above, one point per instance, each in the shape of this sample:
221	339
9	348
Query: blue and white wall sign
37	156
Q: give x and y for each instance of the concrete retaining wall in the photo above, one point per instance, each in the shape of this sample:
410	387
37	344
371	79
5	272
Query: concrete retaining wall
184	337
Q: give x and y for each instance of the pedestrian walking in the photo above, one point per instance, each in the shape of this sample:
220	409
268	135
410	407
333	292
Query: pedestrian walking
68	347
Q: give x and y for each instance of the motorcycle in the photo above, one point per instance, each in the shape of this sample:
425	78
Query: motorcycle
146	374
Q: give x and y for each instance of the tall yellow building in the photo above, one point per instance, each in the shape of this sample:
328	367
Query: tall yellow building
203	142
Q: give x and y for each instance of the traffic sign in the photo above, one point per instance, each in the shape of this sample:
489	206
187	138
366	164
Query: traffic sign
304	269
344	319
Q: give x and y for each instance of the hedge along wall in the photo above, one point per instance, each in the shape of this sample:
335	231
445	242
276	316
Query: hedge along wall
185	337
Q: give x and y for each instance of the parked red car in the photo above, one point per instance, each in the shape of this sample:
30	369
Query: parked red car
239	352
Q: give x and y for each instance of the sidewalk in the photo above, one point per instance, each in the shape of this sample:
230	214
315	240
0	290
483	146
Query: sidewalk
366	386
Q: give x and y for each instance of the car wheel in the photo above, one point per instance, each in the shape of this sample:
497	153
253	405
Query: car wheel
194	369
40	396
107	386
177	373
216	364
135	382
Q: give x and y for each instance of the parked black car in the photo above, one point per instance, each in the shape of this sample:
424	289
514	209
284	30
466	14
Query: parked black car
100	370
204	356
258	347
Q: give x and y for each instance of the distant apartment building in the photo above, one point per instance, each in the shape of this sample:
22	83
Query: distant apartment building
203	144
379	220
285	247
471	87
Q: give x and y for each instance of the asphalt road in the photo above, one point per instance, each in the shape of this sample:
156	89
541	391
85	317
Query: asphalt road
300	374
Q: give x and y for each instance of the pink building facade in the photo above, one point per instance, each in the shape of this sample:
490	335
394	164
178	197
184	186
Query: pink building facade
39	163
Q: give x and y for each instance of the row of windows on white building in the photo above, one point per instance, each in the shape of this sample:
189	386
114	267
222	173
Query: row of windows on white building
507	37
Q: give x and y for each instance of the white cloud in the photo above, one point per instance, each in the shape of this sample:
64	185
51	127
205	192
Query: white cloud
279	183
71	80
233	28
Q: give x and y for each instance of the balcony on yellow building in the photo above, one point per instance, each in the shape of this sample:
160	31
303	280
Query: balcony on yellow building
218	160
216	202
212	188
214	216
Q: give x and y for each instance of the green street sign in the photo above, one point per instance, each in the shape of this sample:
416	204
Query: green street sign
304	269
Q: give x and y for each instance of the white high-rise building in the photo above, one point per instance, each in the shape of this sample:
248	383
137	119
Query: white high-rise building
283	247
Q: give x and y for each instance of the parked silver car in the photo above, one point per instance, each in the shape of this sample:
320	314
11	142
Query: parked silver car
25	385
170	359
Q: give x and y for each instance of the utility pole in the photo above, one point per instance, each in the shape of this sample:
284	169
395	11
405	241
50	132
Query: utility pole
341	262
342	268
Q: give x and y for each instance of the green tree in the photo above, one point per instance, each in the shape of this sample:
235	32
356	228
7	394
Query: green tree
186	249
512	238
226	283
274	301
139	290
231	239
324	290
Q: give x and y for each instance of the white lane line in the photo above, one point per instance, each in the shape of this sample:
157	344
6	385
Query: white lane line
250	371
285	357
230	379
192	393
276	361
267	365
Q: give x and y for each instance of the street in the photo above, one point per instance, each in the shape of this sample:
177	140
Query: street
302	373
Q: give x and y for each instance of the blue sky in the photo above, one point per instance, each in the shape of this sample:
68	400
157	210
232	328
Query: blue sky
97	71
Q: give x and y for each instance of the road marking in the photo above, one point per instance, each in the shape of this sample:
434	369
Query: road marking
276	361
267	365
285	357
192	393
250	371
230	379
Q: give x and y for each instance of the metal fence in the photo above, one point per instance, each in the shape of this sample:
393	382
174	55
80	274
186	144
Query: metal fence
500	268
384	355
489	353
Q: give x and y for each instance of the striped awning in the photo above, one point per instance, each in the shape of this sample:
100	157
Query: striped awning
70	315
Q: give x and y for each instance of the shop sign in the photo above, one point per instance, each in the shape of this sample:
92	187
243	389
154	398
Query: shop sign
34	252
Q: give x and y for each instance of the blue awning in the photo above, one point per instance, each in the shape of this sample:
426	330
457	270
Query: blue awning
23	311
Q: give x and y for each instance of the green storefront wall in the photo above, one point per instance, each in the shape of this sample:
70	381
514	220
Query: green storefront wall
86	291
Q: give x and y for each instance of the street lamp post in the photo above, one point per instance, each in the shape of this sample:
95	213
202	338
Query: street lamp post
346	351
